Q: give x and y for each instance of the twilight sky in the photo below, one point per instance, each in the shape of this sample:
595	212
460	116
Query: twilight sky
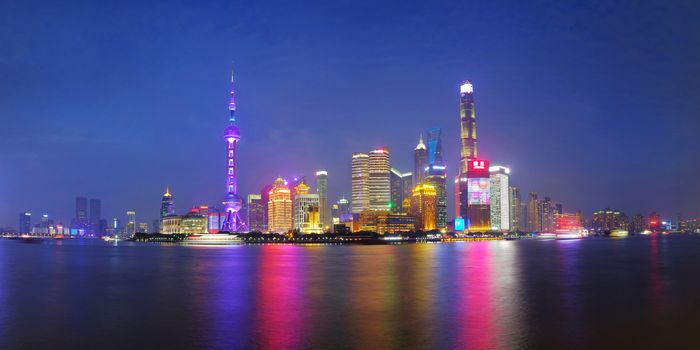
596	105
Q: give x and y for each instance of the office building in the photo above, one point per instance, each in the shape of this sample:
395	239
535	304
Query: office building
385	222
81	221
534	218
166	204
279	207
607	220
323	205
423	207
420	161
194	223
515	209
130	228
306	210
379	179
25	223
170	224
547	214
500	198
360	182
479	196
256	215
401	185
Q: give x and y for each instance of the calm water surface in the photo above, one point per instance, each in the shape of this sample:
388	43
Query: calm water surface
640	292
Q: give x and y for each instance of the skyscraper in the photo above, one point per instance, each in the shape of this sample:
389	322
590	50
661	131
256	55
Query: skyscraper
436	175
467	119
255	213
232	202
25	223
534	219
81	213
279	207
515	209
479	195
420	161
95	216
130	224
500	198
166	204
360	182
379	179
401	188
424	207
322	191
547	211
306	210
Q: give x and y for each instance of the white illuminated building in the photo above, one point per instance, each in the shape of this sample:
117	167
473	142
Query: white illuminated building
500	199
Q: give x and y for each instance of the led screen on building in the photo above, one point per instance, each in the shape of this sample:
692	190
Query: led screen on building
479	193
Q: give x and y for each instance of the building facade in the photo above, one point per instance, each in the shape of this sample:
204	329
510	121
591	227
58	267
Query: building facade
360	182
279	208
379	180
515	209
424	207
500	198
323	205
420	161
256	213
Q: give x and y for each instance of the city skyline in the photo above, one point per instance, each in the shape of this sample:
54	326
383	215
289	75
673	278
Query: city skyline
584	174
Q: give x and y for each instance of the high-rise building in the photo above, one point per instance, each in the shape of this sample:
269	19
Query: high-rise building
142	227
515	208
166	204
25	223
478	203
467	121
547	213
322	191
534	218
637	224
81	221
401	185
156	226
420	161
435	175
306	210
130	224
95	216
654	222
279	207
232	202
265	198
360	182
500	198
255	213
424	207
607	220
468	154
379	179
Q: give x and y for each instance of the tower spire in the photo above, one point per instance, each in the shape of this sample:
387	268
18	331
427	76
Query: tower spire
232	101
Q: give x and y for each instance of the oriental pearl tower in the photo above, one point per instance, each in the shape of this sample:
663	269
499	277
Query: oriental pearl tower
232	202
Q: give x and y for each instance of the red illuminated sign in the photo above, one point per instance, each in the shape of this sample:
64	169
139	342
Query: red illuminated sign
478	168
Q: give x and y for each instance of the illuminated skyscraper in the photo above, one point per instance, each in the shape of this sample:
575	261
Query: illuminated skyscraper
166	204
130	224
379	179
232	202
547	211
424	207
322	191
420	161
515	209
467	119
306	213
256	213
500	198
279	207
360	182
436	174
479	196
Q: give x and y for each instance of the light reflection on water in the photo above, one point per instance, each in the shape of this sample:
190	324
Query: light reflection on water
480	295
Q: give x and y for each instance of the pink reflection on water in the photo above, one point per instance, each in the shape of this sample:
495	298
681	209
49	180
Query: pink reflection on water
279	315
476	305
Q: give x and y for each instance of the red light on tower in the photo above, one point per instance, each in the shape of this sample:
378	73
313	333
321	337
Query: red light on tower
478	168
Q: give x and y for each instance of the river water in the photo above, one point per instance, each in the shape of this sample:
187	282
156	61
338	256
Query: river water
639	292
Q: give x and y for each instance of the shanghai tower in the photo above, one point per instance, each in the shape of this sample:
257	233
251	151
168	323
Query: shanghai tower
232	202
467	121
